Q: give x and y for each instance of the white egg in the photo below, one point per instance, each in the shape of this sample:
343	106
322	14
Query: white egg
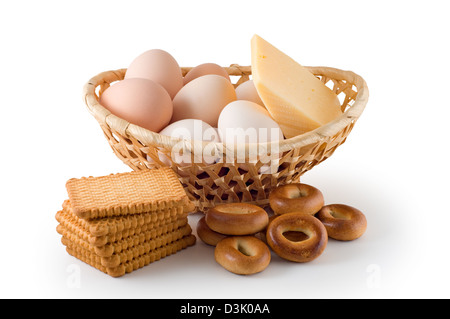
247	122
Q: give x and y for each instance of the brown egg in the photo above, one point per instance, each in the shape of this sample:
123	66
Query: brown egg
139	101
203	99
158	66
205	69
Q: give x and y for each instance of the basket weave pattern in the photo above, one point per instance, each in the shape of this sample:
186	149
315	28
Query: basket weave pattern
209	185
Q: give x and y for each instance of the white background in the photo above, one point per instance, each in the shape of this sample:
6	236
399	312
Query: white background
393	166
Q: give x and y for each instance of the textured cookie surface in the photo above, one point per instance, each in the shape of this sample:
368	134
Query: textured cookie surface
110	229
126	193
132	264
125	249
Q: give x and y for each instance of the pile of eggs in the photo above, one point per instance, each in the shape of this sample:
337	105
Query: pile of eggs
154	95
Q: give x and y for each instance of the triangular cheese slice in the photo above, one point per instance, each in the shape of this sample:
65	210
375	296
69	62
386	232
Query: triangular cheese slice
297	100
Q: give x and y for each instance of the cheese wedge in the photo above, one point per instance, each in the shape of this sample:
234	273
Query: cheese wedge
297	100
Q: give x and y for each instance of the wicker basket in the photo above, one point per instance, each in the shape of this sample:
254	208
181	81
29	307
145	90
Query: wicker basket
208	185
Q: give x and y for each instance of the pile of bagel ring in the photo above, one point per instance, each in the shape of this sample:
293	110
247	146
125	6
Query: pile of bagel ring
298	231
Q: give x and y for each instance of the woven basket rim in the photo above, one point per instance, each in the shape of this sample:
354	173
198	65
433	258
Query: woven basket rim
146	137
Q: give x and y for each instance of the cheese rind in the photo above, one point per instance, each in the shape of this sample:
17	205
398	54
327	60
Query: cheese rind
297	100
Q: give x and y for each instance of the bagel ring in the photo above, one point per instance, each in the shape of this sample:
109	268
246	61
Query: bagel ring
343	222
297	197
206	234
290	235
297	251
237	219
242	255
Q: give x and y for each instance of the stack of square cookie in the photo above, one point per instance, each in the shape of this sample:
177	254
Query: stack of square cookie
122	222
